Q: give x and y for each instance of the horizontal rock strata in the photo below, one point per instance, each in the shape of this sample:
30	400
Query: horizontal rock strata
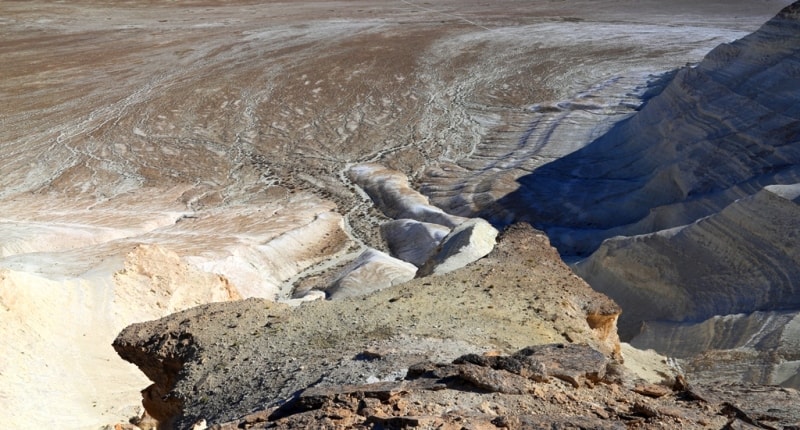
727	156
390	191
742	259
752	348
688	207
718	131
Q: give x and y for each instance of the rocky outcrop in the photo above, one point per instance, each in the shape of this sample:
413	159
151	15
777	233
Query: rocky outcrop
411	240
390	191
497	391
740	260
471	240
577	365
72	277
371	271
254	353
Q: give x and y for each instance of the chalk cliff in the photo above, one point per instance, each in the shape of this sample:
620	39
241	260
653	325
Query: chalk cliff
700	191
717	132
57	327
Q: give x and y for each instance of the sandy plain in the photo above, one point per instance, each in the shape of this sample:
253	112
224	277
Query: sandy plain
218	136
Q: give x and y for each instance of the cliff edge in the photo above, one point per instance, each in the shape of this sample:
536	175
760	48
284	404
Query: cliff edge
223	360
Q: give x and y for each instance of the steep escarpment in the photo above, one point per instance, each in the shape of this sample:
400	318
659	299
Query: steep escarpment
695	201
718	131
210	142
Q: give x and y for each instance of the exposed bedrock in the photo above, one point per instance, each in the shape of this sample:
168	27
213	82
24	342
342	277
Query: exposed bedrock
219	132
57	325
373	270
421	233
719	131
233	358
485	392
390	191
72	277
742	259
411	240
689	291
471	240
695	195
761	347
721	291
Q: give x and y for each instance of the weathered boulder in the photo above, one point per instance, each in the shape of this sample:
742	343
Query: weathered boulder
471	240
255	353
411	240
373	270
575	364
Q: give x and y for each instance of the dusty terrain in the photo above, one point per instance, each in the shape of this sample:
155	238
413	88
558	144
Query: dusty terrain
447	351
231	358
156	156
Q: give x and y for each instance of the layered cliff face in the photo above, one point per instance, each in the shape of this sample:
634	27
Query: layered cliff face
742	259
730	162
718	131
56	328
760	347
687	210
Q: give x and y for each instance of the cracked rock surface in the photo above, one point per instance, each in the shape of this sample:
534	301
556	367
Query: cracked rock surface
256	353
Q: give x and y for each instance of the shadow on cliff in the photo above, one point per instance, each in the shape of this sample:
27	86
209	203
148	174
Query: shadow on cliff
586	192
718	132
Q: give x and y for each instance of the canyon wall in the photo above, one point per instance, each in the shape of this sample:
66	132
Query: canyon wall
696	197
716	132
685	209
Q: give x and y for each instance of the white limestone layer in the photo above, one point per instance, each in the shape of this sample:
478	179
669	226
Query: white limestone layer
373	270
